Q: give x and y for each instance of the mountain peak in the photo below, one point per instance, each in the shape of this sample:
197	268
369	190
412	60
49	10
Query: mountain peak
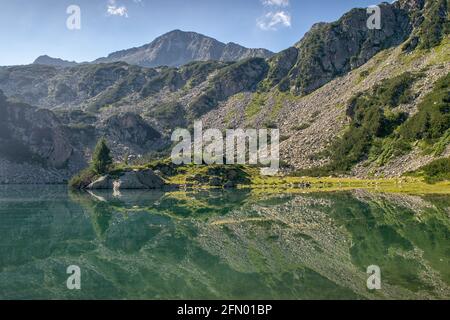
177	47
56	62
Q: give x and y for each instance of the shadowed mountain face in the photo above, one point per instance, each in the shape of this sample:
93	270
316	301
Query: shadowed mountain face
177	48
35	147
221	245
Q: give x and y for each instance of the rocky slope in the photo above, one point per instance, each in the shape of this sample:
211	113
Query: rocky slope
306	91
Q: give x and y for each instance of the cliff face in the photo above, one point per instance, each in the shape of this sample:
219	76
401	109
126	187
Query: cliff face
329	50
27	132
34	138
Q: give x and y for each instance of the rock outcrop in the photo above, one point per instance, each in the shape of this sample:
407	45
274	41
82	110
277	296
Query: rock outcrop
329	50
129	180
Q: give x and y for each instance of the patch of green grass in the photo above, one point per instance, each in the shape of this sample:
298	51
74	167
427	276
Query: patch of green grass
440	146
442	52
255	106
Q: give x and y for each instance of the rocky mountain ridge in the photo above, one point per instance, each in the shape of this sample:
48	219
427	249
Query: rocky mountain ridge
172	49
56	62
177	48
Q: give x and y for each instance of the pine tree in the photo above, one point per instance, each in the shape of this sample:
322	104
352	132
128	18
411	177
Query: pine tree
101	159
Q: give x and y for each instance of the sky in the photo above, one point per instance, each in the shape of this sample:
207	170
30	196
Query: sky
30	28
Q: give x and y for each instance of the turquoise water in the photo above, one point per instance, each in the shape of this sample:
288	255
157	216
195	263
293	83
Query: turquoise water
222	245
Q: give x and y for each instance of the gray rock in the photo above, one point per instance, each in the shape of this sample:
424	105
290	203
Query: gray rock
177	48
104	182
150	179
146	179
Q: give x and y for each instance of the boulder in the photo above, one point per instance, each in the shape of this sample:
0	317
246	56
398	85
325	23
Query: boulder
144	179
104	182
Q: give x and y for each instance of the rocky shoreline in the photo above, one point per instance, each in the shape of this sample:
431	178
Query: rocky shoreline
129	180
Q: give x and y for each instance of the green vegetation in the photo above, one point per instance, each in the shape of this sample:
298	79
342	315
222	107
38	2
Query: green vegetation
238	77
378	133
433	117
101	159
169	111
302	127
255	106
198	71
372	119
436	24
436	171
82	179
101	164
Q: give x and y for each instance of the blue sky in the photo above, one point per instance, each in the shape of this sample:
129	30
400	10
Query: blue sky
29	28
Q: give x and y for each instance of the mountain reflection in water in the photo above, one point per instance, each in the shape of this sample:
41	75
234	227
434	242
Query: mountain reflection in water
222	244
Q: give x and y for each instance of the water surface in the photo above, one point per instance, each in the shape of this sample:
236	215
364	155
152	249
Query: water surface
222	244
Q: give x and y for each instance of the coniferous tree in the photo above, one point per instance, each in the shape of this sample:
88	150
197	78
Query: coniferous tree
101	159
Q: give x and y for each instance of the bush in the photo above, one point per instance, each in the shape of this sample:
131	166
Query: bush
433	117
82	179
438	170
395	91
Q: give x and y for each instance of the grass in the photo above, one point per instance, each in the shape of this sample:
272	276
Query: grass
441	53
255	106
407	185
277	184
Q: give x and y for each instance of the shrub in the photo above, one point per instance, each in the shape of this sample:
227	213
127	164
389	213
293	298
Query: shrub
82	179
433	117
438	170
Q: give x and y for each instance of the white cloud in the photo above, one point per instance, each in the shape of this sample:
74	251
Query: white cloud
278	3
274	20
114	10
